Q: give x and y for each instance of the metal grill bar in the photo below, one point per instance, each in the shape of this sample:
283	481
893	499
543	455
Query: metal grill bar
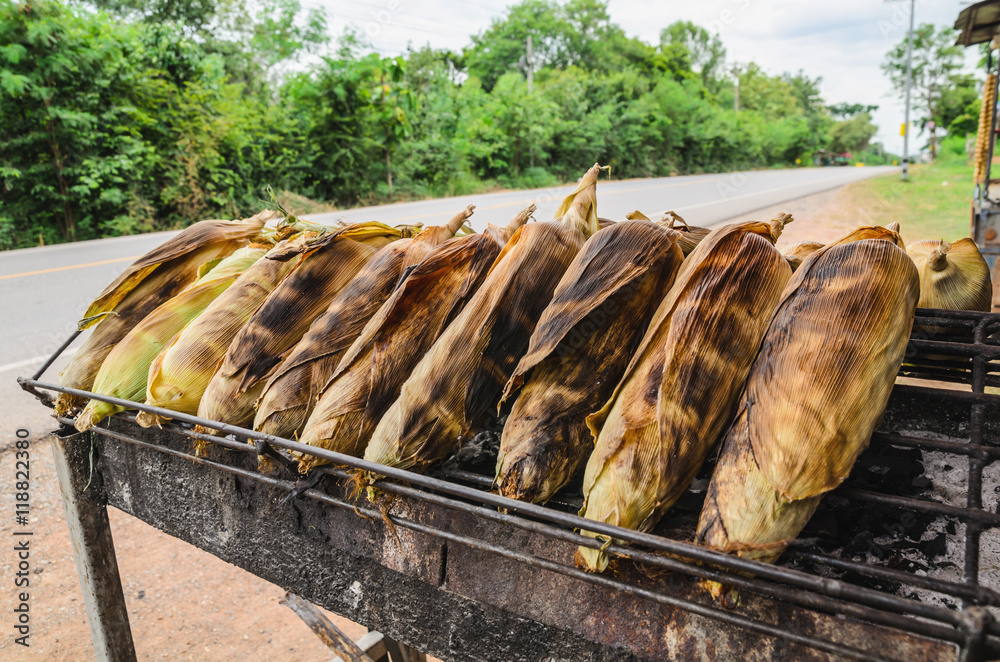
975	362
976	594
833	588
953	447
970	514
707	611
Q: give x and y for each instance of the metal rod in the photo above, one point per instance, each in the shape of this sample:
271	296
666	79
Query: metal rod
984	517
680	603
830	587
956	348
953	447
55	355
979	594
959	396
689	550
795	596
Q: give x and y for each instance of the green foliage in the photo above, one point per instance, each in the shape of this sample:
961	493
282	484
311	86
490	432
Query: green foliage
935	68
139	116
852	135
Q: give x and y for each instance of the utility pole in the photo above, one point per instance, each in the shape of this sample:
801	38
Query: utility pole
909	83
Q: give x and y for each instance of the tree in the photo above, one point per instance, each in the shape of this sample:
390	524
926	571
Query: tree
501	46
579	33
958	111
852	135
391	104
706	53
70	102
936	60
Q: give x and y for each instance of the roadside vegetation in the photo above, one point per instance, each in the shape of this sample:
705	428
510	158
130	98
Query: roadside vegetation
120	116
934	204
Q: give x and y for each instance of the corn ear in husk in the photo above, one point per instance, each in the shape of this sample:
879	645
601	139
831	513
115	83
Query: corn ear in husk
370	374
814	395
278	323
180	373
799	252
148	282
456	386
683	384
952	276
289	395
125	371
578	352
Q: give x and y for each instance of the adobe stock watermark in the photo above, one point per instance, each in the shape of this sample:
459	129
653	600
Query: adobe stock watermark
381	18
728	16
22	538
899	21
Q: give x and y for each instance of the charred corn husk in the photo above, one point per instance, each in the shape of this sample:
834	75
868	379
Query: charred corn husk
799	252
148	282
279	322
125	371
368	379
456	386
815	393
952	276
181	373
689	236
578	352
290	394
683	383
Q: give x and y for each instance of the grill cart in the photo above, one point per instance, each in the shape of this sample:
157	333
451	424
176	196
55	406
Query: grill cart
980	24
902	562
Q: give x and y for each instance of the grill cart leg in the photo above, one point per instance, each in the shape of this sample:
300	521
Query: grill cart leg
374	646
402	653
93	549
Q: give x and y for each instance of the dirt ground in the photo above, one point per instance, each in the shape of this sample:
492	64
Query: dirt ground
185	604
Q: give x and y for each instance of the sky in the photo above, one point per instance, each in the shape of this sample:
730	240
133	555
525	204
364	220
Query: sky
844	42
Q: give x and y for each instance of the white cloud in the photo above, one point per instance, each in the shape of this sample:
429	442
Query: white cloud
845	42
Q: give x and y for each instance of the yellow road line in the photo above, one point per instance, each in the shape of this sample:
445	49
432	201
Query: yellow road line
75	266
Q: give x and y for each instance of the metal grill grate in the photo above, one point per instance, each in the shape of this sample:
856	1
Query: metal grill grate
924	416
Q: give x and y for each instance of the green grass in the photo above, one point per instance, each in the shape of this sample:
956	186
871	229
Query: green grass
934	204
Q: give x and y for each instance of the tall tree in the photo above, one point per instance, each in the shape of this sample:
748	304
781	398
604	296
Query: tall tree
706	52
936	60
852	135
69	114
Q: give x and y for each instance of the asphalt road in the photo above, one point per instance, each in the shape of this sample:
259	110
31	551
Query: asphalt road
45	290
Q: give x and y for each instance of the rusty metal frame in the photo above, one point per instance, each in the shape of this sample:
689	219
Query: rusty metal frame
971	629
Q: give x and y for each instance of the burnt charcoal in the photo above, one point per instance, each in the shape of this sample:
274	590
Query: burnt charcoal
860	545
479	453
950	528
935	547
888	469
921	482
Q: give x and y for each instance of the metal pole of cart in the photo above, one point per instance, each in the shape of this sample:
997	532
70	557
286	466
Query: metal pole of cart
909	84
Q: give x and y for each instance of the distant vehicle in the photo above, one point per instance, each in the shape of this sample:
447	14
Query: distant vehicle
827	158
